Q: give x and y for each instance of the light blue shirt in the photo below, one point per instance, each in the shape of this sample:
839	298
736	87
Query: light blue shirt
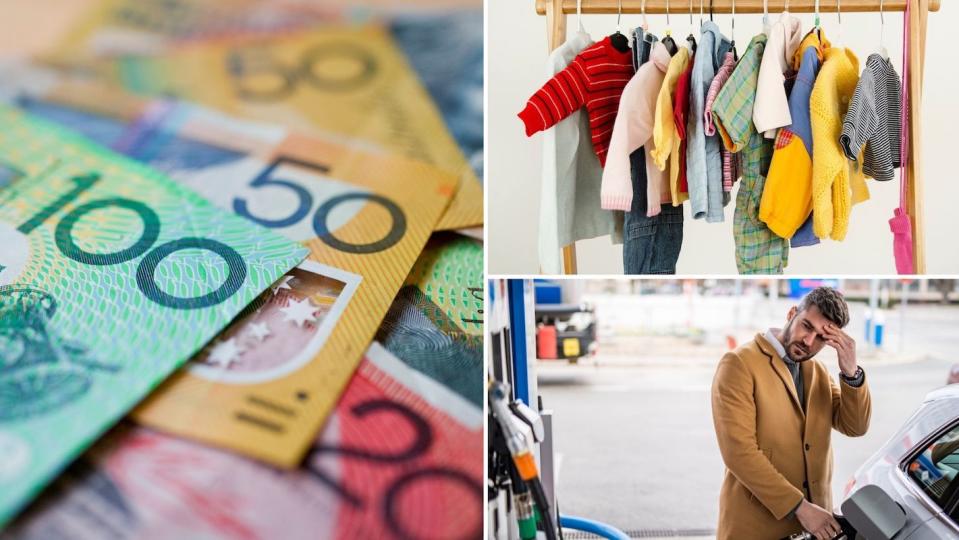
704	163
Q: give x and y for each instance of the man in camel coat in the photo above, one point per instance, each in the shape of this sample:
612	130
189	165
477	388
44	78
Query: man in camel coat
774	408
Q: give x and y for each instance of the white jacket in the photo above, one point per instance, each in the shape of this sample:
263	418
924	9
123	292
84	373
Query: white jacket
771	110
569	194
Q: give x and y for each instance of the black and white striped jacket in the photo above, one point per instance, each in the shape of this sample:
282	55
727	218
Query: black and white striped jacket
873	120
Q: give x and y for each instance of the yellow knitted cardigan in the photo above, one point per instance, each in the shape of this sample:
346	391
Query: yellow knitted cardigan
665	134
836	185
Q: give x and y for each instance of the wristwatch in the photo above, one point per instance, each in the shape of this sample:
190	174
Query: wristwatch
856	377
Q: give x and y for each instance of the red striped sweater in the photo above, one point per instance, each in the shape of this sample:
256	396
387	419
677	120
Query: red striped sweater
595	79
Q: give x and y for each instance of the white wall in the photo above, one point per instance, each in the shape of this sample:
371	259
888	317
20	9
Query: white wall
517	52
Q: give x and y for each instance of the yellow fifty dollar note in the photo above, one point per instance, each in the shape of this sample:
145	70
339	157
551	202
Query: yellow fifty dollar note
267	383
352	81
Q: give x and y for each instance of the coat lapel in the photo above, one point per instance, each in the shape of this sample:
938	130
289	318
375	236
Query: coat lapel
779	366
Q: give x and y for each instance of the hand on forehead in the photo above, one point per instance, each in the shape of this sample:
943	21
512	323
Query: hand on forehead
814	317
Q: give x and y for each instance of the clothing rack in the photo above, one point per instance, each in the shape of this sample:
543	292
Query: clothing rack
556	11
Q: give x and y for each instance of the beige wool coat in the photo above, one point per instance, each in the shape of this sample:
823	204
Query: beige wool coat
776	454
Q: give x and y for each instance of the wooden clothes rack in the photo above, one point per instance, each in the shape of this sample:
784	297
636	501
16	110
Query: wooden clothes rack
556	11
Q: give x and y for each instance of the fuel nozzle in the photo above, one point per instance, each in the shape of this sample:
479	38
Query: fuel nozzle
515	441
521	453
848	532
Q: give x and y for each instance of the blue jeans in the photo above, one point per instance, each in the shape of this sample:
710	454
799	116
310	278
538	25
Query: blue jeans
804	236
651	245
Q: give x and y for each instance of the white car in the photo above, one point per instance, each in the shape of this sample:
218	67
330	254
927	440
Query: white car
918	468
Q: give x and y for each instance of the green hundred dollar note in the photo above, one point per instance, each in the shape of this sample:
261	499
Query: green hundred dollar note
111	277
435	324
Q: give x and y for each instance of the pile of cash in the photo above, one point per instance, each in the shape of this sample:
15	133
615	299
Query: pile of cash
241	269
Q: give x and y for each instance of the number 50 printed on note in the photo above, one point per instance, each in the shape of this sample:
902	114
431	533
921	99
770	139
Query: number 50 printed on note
265	386
111	277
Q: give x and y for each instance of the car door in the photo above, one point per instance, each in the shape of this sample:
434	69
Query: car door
933	474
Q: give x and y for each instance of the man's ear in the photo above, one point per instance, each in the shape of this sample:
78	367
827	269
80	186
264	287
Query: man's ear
792	313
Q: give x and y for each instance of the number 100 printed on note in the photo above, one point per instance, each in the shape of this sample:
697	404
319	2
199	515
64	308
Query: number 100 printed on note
111	277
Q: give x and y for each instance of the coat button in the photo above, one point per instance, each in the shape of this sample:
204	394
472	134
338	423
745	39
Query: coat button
805	484
807	447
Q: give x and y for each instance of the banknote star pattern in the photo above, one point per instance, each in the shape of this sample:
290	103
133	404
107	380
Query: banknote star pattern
225	353
258	331
283	283
299	312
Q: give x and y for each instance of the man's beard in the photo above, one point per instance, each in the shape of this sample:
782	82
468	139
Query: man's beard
790	345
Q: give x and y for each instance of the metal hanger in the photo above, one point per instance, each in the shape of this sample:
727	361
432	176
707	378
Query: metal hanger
691	38
645	22
816	20
619	15
732	35
579	15
668	40
839	16
668	27
882	27
785	13
766	16
691	20
618	40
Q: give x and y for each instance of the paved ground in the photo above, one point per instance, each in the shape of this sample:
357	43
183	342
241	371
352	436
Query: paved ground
634	430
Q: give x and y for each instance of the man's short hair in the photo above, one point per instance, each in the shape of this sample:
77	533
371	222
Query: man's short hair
830	302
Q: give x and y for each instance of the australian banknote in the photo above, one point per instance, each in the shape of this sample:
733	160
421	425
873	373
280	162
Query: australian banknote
402	457
435	324
442	39
350	80
111	277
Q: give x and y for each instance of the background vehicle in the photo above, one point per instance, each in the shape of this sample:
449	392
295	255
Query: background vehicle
565	327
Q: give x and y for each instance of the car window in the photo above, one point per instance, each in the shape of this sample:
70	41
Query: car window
936	469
